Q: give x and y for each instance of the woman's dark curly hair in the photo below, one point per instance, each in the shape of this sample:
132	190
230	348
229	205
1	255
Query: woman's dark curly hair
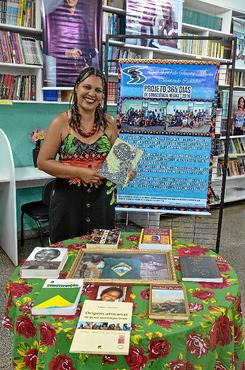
75	118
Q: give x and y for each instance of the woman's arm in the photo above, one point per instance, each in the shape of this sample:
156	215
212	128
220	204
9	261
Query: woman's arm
46	159
112	130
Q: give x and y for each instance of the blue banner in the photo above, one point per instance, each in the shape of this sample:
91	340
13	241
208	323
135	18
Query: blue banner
174	172
169	81
167	108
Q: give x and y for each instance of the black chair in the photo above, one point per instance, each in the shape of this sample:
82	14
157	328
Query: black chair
38	211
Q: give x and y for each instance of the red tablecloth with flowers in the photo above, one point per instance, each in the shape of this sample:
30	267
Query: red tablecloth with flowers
211	339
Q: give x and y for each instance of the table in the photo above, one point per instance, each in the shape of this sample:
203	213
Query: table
10	179
211	339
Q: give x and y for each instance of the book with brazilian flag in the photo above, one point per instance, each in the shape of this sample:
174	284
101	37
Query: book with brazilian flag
58	297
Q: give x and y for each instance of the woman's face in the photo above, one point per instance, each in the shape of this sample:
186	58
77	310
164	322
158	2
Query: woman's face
241	103
110	296
90	93
72	3
166	9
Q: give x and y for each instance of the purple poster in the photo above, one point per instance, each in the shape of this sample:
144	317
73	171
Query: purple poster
72	39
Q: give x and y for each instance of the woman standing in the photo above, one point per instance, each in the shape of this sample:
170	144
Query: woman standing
239	118
82	137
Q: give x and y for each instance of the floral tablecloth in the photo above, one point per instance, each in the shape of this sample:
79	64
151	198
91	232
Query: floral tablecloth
211	339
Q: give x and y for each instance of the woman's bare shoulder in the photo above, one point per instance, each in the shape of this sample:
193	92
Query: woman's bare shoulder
60	124
60	120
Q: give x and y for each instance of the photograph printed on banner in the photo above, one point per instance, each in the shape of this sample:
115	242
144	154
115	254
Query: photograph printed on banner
238	110
154	18
72	40
145	115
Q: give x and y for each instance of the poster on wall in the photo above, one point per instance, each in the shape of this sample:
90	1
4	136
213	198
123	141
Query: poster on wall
71	39
156	18
163	111
238	113
239	32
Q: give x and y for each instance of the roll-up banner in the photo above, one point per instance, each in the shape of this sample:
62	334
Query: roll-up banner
167	108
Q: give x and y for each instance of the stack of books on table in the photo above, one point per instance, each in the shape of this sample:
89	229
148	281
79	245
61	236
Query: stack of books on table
103	238
58	297
156	238
44	262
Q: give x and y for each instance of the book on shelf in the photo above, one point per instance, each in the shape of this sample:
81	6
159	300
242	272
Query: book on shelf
58	297
102	238
156	238
44	262
103	328
31	50
168	301
200	269
121	160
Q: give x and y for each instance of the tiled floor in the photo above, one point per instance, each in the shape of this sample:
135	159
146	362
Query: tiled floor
232	248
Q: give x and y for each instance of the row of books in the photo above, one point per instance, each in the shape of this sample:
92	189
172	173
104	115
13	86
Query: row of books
198	18
20	87
235	167
236	146
113	24
18	12
112	92
19	49
115	53
215	49
239	78
191	46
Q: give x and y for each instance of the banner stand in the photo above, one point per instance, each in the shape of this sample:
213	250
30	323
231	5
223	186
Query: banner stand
232	41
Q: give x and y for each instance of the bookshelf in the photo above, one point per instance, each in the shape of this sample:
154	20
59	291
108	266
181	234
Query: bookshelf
20	51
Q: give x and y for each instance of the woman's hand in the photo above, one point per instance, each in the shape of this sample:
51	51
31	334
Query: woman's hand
90	176
132	175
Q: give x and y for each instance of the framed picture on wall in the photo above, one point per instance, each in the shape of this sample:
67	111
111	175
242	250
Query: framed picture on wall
124	266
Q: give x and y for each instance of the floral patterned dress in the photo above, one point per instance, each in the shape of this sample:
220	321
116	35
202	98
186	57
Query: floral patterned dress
76	209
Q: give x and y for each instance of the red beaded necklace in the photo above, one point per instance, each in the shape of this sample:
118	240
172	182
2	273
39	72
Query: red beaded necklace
87	134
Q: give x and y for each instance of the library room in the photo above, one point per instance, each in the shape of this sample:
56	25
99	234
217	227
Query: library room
122	184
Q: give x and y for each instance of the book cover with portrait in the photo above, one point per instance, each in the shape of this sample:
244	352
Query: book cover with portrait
44	262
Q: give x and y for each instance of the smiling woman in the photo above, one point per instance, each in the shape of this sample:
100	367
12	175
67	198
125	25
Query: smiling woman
82	137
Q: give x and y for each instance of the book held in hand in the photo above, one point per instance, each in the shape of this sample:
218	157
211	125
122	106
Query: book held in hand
168	301
156	238
121	160
58	297
200	269
102	238
44	262
103	328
